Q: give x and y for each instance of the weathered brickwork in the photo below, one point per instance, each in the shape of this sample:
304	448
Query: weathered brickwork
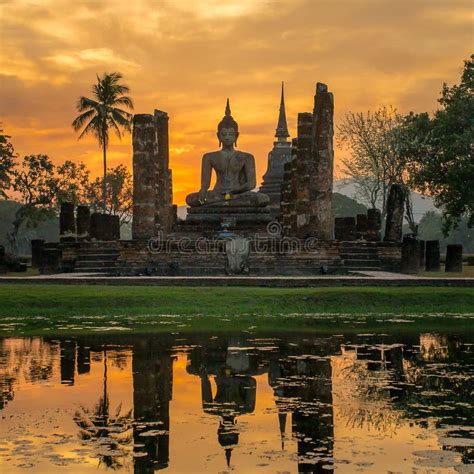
152	182
308	178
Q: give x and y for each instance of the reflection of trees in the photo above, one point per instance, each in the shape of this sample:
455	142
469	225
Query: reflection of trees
366	378
443	381
27	359
111	433
432	386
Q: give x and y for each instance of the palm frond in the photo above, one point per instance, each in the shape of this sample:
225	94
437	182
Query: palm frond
116	129
79	121
84	103
119	119
124	100
94	127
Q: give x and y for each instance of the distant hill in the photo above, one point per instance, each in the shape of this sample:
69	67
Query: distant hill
47	230
421	204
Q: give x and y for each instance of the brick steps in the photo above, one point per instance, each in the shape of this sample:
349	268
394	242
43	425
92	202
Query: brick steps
360	256
133	257
97	260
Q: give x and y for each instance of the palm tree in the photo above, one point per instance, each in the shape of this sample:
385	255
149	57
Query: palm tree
102	114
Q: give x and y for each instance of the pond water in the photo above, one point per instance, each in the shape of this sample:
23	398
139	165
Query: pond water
241	403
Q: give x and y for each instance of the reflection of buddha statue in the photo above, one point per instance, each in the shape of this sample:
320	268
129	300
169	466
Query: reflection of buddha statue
235	173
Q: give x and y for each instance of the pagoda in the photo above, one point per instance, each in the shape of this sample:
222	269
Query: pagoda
277	158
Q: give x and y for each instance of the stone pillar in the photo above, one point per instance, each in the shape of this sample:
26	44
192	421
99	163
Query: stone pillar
339	228
83	222
395	209
51	257
322	164
432	256
410	263
374	224
104	227
3	264
36	250
145	148
454	258
67	222
349	231
301	179
422	253
163	180
308	178
361	226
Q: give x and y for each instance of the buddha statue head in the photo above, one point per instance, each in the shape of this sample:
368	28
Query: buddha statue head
228	129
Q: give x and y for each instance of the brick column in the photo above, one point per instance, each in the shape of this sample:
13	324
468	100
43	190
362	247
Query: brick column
322	164
395	209
163	183
145	148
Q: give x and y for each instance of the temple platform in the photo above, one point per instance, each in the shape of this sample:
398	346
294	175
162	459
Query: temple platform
207	257
229	217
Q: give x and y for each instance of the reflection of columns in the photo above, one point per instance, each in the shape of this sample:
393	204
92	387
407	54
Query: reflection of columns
309	398
68	361
7	389
313	420
83	358
152	393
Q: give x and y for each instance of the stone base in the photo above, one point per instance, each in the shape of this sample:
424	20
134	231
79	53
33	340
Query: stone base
230	217
205	257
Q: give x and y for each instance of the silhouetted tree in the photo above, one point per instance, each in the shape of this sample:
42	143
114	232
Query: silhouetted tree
7	163
102	113
440	150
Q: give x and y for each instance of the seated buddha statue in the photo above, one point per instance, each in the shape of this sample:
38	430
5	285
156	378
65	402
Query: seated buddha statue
235	172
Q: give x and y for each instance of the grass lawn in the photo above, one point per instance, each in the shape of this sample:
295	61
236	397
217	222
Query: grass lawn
59	309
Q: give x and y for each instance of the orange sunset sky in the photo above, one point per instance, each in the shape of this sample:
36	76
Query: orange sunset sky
187	56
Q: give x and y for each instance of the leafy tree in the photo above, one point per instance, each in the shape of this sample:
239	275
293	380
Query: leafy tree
102	113
36	184
377	158
7	163
73	181
440	150
119	188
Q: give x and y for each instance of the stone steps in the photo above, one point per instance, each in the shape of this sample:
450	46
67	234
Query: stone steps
96	260
360	256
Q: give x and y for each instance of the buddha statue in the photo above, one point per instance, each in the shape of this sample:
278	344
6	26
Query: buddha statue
235	173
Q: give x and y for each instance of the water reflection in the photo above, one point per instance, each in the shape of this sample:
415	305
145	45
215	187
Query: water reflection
210	404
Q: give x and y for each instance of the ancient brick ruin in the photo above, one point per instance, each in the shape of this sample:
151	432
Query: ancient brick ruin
152	181
292	207
308	182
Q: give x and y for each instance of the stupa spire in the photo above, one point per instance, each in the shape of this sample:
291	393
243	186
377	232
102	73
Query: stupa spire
282	127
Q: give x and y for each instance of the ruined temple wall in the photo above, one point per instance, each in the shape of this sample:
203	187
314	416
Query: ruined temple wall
152	179
163	182
145	149
322	163
308	179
